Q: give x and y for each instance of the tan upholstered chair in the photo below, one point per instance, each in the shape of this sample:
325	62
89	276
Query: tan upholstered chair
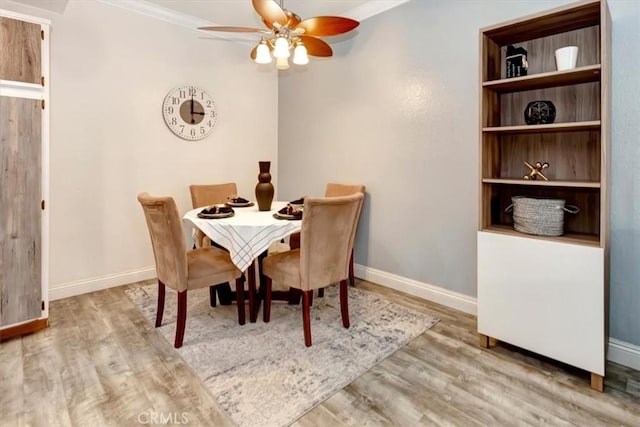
182	270
332	190
326	241
205	195
211	194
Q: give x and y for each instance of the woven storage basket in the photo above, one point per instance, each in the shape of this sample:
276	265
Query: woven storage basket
543	217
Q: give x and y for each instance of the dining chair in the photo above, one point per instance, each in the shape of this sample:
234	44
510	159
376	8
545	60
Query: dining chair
326	240
180	269
332	190
212	194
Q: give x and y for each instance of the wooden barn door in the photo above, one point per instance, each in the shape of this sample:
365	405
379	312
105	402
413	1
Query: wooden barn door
20	228
21	171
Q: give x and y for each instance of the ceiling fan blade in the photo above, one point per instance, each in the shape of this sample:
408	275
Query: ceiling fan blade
270	12
233	29
316	47
322	26
294	19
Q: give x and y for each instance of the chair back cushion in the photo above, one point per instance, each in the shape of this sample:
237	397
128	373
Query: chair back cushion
334	190
326	240
212	194
167	239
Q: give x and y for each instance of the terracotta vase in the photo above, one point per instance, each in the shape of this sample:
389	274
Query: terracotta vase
264	188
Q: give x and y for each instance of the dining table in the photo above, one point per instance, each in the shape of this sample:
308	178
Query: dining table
247	234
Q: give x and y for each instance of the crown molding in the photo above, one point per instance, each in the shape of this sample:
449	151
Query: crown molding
171	16
158	12
23	17
372	8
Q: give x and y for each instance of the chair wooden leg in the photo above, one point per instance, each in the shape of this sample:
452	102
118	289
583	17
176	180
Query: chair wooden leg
182	318
160	312
224	293
253	313
266	310
306	316
262	278
240	300
294	241
212	296
294	296
321	293
344	302
352	277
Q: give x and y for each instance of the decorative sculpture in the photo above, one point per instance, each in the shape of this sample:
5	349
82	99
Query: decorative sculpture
536	171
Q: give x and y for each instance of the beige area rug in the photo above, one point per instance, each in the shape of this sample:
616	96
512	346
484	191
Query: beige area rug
261	373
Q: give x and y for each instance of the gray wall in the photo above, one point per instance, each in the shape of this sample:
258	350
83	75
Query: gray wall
396	109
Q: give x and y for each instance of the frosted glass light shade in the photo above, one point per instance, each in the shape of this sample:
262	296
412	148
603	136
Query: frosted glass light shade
282	63
262	54
281	49
300	56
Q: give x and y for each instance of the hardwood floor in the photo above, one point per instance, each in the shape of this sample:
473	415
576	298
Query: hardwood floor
101	363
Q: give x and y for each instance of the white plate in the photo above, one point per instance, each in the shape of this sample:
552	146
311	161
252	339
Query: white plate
239	205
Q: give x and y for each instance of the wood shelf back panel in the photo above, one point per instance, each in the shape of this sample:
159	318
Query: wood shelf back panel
572	156
541	52
577	103
588	200
490	108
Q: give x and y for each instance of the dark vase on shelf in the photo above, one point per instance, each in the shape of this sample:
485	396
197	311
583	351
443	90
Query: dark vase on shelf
264	188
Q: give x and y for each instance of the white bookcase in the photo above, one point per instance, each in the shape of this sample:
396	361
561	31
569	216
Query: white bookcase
548	295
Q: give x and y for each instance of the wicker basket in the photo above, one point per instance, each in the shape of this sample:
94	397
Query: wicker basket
543	217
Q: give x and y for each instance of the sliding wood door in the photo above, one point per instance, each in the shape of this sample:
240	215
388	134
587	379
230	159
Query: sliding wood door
20	210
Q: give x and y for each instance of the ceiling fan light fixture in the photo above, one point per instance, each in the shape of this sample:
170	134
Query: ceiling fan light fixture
281	49
282	63
263	56
300	56
287	34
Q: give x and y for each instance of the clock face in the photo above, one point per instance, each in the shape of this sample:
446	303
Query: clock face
189	112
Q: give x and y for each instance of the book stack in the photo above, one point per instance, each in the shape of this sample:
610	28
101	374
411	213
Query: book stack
516	61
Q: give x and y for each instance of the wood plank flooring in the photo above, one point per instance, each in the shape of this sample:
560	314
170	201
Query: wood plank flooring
100	363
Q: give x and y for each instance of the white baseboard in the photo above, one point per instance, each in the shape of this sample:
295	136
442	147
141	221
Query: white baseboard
619	352
93	284
436	294
624	353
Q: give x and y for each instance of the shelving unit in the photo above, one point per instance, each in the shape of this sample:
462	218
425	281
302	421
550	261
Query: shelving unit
542	293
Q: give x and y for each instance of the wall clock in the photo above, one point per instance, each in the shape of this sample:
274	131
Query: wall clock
189	112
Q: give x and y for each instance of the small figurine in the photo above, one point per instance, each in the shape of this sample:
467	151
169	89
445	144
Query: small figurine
536	171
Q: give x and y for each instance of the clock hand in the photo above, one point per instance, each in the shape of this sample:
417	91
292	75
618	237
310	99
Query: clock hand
198	112
192	119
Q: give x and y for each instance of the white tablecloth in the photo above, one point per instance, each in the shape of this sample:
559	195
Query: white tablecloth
246	234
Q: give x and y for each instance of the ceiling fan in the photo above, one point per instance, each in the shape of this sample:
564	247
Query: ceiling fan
286	31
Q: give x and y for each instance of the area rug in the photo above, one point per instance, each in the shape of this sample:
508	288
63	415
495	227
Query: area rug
261	373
